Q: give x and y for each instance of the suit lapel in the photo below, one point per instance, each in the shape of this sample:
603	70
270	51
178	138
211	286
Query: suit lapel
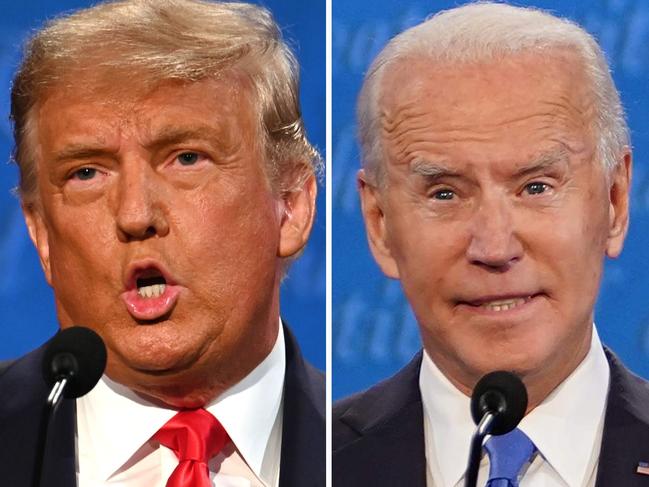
59	465
387	421
303	433
20	415
625	440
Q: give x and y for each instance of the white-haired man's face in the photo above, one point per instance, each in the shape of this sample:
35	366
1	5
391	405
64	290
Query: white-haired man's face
496	214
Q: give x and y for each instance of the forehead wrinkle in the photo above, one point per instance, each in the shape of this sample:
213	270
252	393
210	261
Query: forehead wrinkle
403	121
413	137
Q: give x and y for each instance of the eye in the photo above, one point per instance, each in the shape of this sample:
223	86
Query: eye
188	158
443	194
84	174
536	188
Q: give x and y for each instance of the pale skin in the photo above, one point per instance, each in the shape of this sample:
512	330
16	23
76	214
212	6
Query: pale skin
174	178
496	214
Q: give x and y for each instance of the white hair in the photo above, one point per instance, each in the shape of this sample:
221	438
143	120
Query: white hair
486	31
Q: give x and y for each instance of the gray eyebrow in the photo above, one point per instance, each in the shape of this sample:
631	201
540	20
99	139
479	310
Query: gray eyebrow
429	169
544	161
436	170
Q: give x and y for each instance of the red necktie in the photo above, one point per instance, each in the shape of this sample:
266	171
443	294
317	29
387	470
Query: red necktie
195	436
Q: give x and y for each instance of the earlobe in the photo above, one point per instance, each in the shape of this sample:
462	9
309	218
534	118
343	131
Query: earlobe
375	226
297	218
620	185
39	237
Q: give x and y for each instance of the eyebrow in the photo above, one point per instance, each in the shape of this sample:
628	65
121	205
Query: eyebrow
82	151
544	162
166	136
174	135
432	170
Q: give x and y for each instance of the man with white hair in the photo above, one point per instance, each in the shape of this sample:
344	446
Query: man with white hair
496	175
167	182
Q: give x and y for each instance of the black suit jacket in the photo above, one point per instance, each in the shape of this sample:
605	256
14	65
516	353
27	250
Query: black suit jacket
23	393
378	434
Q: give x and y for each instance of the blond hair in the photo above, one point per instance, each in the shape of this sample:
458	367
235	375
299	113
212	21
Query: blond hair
159	40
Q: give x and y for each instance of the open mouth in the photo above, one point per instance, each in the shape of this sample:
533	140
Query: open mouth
151	284
150	293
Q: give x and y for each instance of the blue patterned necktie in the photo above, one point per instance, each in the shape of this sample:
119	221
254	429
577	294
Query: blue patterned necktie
507	455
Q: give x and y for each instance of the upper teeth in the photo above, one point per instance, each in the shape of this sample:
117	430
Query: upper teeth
152	291
504	304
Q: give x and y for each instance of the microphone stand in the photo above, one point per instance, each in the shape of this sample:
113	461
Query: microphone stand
49	411
475	453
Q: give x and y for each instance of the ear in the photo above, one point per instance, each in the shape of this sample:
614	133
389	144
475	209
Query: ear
620	185
39	236
375	226
298	211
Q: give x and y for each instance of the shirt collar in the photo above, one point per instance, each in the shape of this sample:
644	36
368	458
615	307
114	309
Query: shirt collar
248	410
113	422
575	409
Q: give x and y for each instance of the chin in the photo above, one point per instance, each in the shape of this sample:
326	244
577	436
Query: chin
519	363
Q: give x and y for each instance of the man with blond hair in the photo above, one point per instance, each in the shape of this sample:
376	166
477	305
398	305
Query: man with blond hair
495	181
167	183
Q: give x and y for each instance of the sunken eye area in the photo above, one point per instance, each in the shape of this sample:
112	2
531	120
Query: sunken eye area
536	188
84	174
190	158
443	194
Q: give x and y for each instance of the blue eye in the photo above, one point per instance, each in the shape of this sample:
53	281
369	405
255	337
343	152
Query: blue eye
536	188
85	173
444	194
188	158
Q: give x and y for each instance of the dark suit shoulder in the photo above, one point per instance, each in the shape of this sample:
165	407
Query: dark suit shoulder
24	393
303	438
4	365
378	434
377	406
316	383
630	390
625	439
22	385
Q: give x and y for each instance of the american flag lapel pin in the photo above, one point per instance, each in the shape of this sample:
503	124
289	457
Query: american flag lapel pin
642	468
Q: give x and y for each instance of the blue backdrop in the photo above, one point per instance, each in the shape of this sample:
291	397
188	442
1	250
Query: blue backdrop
27	316
374	333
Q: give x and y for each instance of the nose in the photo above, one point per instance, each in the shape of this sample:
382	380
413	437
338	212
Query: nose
140	212
494	242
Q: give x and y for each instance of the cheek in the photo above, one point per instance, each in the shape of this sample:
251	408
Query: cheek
430	256
78	242
239	233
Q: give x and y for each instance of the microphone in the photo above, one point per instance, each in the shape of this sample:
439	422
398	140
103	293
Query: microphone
73	363
498	404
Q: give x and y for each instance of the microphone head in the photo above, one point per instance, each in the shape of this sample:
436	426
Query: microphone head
503	394
77	354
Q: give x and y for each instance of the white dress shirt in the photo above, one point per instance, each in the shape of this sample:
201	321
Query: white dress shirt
115	426
566	427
